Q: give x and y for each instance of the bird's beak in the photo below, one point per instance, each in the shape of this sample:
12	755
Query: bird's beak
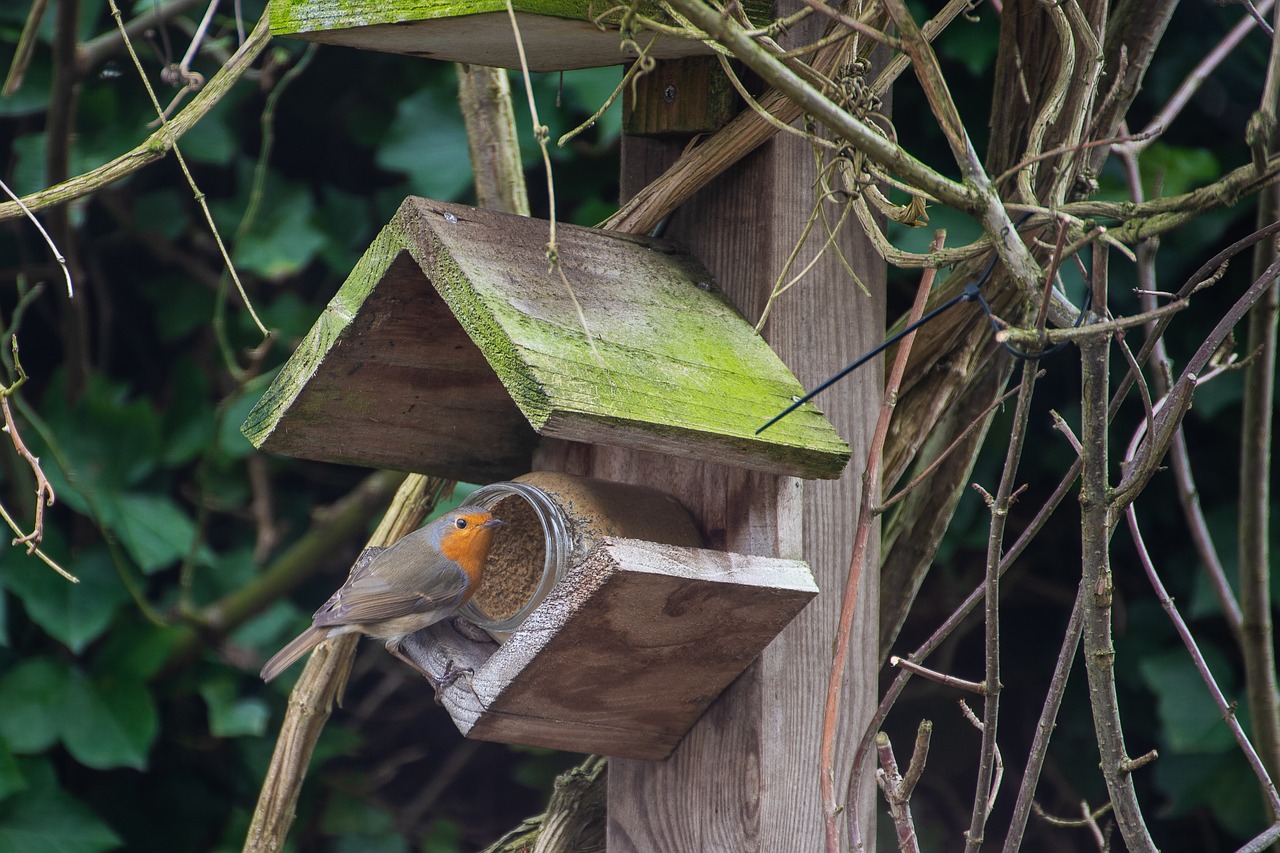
493	522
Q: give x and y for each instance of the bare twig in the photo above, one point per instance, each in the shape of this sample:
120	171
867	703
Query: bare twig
975	687
1194	80
984	792
62	262
983	203
191	181
1253	523
1049	337
975	424
155	146
44	491
25	49
1088	819
862	538
1044	727
1097	585
897	788
1227	709
1060	424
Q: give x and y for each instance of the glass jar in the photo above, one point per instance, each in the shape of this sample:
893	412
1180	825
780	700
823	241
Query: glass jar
551	521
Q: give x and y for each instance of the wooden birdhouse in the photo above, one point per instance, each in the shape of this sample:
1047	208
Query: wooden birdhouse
453	349
558	35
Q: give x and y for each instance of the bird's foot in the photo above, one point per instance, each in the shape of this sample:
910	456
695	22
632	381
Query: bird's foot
446	679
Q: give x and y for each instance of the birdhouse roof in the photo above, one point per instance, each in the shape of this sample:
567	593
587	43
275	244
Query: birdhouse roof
454	343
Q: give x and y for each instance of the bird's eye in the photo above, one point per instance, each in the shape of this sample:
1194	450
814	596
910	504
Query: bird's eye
461	524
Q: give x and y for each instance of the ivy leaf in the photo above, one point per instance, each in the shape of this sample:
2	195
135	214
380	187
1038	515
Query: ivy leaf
44	819
74	614
11	778
33	694
108	723
283	238
231	715
428	142
153	529
1187	714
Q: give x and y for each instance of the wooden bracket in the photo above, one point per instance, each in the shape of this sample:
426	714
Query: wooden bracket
680	97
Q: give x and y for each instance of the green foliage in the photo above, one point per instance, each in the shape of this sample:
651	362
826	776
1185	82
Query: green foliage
43	819
130	720
125	719
104	722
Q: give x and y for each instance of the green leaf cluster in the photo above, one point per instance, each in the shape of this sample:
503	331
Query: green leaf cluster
131	717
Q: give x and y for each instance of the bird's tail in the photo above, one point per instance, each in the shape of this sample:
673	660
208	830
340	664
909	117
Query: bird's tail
297	647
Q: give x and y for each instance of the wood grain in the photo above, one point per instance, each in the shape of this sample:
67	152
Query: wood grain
679	97
746	776
626	652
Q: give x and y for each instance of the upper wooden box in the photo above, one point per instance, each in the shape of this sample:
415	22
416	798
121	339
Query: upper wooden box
453	344
558	35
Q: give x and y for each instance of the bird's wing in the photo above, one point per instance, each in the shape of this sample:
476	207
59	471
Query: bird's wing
367	597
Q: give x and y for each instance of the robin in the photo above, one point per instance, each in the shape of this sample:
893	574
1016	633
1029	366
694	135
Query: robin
420	580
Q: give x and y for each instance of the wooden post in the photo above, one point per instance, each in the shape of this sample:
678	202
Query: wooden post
746	778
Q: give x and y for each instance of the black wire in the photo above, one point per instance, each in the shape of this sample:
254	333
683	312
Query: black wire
972	293
865	357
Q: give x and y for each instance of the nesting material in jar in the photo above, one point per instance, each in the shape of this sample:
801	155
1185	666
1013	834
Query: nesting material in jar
552	521
516	560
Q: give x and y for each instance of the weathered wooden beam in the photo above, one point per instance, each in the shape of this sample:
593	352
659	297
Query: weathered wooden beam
625	653
679	97
746	777
558	35
453	337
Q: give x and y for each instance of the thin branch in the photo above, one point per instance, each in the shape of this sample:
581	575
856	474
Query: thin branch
985	790
1044	727
158	144
53	247
975	687
984	203
870	142
1225	708
1253	523
1194	80
897	792
854	24
25	50
44	491
182	162
98	49
975	424
858	562
1097	588
1030	338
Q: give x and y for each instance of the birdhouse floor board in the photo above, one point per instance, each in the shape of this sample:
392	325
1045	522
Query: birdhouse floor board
626	652
454	321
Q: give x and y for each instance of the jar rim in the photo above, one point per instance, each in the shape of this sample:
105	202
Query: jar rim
557	541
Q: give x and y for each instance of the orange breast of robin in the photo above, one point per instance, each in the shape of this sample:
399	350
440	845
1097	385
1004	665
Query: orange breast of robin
469	547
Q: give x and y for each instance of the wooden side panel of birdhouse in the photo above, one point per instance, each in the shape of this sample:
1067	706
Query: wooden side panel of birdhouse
628	650
388	378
